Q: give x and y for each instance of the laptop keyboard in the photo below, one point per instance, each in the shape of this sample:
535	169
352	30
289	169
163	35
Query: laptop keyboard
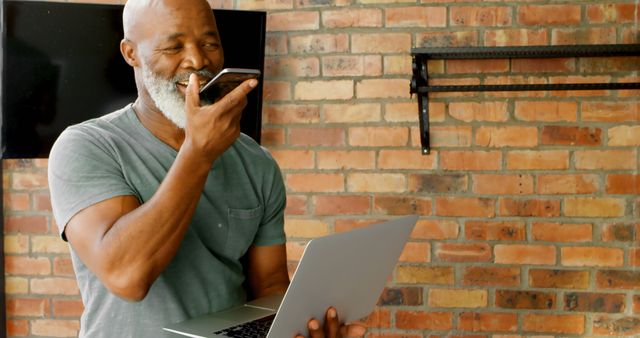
254	329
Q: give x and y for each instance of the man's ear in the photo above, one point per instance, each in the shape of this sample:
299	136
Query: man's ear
129	52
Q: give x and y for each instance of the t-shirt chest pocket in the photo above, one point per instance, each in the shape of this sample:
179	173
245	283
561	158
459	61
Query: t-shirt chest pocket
243	225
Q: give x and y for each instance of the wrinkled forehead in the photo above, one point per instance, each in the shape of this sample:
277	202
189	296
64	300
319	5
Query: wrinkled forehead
143	19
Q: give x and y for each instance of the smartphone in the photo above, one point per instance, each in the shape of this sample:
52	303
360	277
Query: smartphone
226	81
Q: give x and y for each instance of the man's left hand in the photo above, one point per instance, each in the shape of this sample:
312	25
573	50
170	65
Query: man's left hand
333	328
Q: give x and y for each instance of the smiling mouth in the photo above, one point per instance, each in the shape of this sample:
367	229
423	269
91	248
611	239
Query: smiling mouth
201	83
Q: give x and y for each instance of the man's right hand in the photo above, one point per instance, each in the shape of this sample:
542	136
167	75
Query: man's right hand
211	129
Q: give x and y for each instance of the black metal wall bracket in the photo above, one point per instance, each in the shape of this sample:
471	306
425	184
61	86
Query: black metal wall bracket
420	80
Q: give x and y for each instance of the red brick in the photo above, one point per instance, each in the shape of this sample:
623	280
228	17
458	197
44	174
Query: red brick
305	228
276	44
437	183
382	89
562	232
54	286
550	65
336	159
513	136
352	113
415	252
446	136
470	160
402	205
483	111
491	276
272	136
477	66
380	318
416	17
380	43
406	112
374	182
495	230
296	205
609	64
463	252
343	65
592	256
533	300
457	298
539	15
17	327
316	137
583	36
488	322
315	182
559	279
405	159
447	39
525	254
547	111
343	225
413	274
502	184
594	207
16	244
610	111
27	307
413	320
397	65
62	328
30	266
516	37
561	324
618	279
613	13
465	206
62	266
275	67
42	202
529	207
319	44
480	16
276	91
636	304
634	257
352	17
619	232
379	136
568	184
67	308
29	180
341	205
409	296
566	135
628	326
624	136
594	302
293	21
435	229
294	159
324	90
15	201
538	160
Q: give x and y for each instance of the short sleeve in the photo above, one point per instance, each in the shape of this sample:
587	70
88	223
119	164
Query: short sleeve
271	231
83	170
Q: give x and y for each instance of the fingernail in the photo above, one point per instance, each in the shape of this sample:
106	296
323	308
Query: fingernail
253	83
313	325
332	313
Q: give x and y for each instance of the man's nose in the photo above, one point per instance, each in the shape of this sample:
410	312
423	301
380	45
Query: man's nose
195	58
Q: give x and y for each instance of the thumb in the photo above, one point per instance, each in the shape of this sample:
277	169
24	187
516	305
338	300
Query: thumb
192	95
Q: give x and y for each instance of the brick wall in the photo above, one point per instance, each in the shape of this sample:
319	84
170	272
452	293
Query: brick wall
528	201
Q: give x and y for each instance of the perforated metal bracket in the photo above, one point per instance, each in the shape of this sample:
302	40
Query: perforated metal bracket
420	81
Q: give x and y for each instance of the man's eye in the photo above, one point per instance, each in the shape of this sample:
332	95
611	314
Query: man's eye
171	49
211	45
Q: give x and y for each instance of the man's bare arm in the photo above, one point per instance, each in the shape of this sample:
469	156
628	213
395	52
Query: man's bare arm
128	244
267	270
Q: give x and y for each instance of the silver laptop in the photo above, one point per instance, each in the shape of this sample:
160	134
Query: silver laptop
346	270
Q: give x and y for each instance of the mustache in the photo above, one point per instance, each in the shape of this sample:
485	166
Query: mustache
185	76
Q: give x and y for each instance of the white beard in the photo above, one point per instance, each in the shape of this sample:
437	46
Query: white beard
166	95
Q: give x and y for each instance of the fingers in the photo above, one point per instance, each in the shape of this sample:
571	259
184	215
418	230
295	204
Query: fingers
315	330
238	94
192	94
331	323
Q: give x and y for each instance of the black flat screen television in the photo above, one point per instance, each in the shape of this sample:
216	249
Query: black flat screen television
62	65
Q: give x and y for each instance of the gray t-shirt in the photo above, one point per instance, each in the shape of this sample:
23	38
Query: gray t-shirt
242	205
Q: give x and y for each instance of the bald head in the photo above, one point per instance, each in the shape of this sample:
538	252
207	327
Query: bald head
137	16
